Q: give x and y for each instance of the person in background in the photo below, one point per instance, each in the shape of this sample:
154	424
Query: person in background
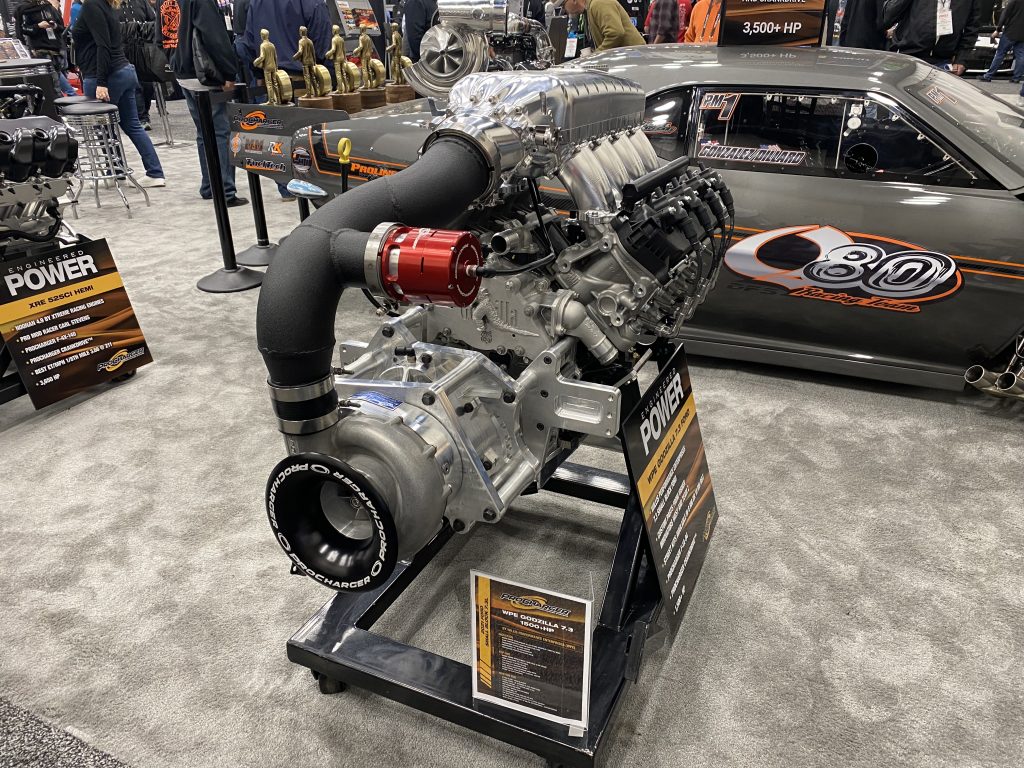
1010	32
535	10
41	27
203	19
138	26
76	8
857	24
239	14
704	22
663	24
607	23
549	12
108	76
684	19
417	17
282	18
941	32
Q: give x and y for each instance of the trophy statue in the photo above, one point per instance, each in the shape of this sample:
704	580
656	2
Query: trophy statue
398	90
279	85
346	75
371	71
318	79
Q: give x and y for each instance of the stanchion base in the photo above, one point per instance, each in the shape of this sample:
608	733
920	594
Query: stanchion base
230	280
256	255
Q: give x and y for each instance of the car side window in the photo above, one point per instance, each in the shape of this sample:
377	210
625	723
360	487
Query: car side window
820	134
774	132
880	142
665	122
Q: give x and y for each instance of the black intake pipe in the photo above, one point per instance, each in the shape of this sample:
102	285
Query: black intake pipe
325	254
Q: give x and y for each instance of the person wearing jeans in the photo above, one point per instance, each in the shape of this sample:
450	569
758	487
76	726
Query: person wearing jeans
201	21
109	77
1010	31
222	131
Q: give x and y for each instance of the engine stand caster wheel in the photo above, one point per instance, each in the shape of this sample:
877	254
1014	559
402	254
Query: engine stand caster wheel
328	686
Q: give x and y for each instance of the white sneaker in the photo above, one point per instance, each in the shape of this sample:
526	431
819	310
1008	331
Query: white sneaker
149	181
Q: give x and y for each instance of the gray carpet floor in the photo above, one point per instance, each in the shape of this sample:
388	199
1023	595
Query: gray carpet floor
862	603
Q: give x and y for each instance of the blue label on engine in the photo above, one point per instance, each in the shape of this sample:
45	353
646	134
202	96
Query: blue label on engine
377	399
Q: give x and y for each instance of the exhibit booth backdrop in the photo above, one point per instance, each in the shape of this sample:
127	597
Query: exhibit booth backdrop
862	603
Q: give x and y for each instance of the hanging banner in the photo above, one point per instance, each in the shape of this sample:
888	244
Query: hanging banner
665	454
66	319
764	22
531	650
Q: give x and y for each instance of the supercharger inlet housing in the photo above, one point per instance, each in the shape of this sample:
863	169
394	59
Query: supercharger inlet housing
518	319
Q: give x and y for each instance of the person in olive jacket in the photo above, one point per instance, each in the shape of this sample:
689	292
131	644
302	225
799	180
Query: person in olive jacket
918	32
607	23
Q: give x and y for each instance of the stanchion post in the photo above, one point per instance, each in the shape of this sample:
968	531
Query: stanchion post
230	277
261	254
303	209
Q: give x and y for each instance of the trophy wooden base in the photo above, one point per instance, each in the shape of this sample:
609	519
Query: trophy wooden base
350	102
372	97
396	94
316	102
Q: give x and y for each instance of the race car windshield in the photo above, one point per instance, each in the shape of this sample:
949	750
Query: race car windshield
993	122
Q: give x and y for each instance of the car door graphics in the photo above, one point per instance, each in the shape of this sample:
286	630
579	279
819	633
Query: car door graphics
868	271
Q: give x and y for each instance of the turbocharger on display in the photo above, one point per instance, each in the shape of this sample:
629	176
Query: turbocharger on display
521	322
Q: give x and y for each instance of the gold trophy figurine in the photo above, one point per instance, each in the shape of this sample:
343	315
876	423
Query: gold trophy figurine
318	79
372	73
346	75
398	90
279	85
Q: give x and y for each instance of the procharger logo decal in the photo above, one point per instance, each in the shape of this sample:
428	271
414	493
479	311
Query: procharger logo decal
826	264
120	358
535	603
258	119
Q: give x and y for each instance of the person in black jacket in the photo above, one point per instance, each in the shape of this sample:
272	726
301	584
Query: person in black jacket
41	27
417	17
109	76
857	24
138	27
1010	31
919	33
202	19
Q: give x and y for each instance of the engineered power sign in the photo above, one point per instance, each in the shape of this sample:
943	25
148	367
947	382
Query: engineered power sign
67	322
665	452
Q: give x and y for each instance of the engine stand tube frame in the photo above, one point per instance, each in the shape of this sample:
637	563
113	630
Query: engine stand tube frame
336	643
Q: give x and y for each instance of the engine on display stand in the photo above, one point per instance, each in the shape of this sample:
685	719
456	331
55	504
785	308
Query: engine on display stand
523	322
37	158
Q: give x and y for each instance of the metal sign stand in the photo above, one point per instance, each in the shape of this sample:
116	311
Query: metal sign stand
11	386
337	645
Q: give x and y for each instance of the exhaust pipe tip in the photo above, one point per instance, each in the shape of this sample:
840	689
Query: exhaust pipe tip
1010	384
980	377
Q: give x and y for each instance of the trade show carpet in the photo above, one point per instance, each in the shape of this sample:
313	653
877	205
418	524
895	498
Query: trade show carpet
862	603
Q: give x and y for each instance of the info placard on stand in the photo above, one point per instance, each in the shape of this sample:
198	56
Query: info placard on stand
763	22
532	650
666	458
67	322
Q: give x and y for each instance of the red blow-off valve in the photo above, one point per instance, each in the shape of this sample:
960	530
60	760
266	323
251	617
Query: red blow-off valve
423	265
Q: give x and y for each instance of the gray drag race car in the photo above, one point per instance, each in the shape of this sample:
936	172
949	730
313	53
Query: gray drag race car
879	204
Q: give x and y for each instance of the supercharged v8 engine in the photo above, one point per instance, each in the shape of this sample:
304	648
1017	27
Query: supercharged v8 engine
522	322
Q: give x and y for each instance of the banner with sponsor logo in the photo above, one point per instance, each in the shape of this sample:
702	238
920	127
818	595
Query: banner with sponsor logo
772	22
66	319
665	454
531	650
261	137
